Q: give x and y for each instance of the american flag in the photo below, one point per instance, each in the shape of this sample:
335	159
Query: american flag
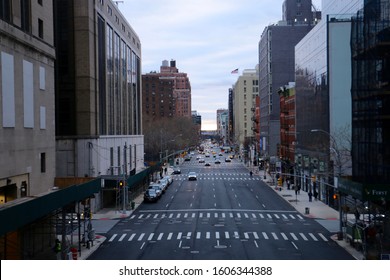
235	71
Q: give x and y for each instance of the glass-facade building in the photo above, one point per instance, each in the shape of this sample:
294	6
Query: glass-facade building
98	86
323	114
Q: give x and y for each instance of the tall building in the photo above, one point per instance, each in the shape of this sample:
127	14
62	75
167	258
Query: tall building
277	66
371	121
287	126
223	125
98	91
27	141
166	94
27	127
323	98
245	91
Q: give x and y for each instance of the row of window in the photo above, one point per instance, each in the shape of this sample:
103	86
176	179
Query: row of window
117	21
25	15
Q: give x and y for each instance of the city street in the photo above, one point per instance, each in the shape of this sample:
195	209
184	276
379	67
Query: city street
224	214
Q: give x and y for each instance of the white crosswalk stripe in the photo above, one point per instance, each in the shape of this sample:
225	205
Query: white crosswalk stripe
141	236
313	236
293	236
132	237
274	235
323	237
216	215
122	237
303	236
284	236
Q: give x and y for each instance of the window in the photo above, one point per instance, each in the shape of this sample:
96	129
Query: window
5	10
25	15
43	162
40	28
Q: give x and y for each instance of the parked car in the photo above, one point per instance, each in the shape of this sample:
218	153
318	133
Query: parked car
228	159
169	178
201	160
150	195
163	183
157	187
192	176
207	164
217	161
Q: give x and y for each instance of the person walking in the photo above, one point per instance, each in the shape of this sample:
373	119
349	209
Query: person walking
57	249
310	194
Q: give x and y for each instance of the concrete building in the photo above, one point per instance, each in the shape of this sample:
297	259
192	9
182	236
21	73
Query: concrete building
166	94
277	66
27	127
98	91
245	91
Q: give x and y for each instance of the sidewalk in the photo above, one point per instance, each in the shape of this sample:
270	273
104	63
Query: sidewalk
315	209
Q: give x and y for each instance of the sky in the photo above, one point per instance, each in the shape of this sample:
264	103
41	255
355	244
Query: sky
208	39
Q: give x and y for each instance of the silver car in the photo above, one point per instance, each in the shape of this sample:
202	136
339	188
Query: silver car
157	187
192	176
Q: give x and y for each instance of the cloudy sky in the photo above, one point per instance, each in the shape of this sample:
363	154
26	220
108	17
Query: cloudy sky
207	38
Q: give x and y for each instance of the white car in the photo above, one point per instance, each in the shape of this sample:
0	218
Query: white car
192	176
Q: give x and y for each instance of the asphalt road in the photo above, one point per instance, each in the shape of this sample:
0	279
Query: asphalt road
224	214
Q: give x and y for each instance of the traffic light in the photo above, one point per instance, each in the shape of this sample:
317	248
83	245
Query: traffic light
335	196
121	184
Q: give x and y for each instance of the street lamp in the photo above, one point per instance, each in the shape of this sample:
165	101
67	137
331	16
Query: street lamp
338	160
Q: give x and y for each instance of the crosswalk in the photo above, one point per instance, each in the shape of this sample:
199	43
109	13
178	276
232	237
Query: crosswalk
234	177
252	215
218	235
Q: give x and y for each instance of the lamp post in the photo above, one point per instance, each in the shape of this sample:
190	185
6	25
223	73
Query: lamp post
339	172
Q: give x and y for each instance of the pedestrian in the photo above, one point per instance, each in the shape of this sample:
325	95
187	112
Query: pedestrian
57	249
166	170
315	195
310	194
250	173
288	184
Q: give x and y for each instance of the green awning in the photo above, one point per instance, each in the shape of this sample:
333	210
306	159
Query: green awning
21	212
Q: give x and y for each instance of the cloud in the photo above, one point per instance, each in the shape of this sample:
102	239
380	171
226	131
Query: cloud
207	38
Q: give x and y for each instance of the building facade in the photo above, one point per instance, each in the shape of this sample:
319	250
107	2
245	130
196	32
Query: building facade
27	145
323	99
223	125
98	91
166	94
27	112
245	91
287	125
276	60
